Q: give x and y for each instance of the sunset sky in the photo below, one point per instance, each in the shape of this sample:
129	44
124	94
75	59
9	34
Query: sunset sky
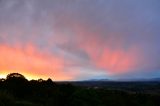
80	39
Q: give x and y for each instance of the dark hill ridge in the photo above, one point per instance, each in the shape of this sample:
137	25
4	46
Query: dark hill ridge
16	90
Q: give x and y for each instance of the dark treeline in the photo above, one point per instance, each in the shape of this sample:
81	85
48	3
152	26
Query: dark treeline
16	90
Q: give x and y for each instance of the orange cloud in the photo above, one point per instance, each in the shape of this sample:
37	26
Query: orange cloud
31	62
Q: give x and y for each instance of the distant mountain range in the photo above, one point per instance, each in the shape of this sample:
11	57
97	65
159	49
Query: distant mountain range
143	79
155	79
98	80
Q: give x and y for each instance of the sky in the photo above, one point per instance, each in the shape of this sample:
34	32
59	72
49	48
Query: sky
80	39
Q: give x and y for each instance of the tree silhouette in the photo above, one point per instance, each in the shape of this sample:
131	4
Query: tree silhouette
16	90
17	84
15	75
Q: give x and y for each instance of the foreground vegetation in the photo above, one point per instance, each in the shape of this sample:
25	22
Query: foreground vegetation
16	90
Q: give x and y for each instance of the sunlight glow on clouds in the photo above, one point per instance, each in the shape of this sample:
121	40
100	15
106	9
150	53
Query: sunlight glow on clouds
80	39
29	60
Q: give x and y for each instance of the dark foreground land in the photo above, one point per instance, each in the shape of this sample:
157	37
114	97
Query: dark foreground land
16	90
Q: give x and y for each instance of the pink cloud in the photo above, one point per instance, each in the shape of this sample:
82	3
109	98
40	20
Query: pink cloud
31	61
